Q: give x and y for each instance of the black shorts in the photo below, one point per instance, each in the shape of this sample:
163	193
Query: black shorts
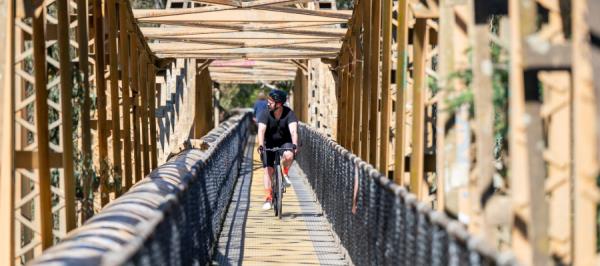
271	154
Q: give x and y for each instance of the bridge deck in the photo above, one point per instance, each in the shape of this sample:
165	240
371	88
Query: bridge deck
251	236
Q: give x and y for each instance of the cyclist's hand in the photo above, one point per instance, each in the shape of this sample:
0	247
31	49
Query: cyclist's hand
295	149
260	149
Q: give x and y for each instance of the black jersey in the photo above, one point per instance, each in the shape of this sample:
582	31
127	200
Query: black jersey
278	131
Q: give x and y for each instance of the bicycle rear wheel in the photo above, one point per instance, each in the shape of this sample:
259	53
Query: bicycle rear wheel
279	189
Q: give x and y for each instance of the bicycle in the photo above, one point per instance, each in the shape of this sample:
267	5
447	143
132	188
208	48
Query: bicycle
277	183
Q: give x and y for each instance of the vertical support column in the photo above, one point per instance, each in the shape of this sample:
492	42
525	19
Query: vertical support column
135	87
347	126
420	46
114	95
374	80
85	121
364	137
152	115
124	47
101	101
357	91
203	113
401	85
342	99
386	87
484	130
585	136
44	209
447	24
143	87
522	15
66	87
7	185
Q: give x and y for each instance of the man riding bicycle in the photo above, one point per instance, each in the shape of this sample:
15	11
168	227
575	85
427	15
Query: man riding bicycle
277	127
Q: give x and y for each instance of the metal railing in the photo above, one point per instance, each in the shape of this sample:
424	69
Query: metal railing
172	217
389	226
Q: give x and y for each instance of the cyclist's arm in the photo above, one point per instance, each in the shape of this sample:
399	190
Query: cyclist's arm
262	128
294	132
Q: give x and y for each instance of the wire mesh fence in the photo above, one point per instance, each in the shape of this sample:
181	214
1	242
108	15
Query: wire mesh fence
388	225
172	217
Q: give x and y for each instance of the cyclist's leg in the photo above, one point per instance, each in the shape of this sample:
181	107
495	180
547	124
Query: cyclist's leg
288	156
269	170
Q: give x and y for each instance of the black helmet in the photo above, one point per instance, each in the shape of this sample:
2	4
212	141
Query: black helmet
278	96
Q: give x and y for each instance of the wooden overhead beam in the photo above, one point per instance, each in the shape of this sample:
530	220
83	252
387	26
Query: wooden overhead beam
232	3
258	51
248	56
151	32
243	15
153	13
308	48
253	81
254	72
235	69
249	26
300	65
257	43
259	3
249	63
156	13
247	35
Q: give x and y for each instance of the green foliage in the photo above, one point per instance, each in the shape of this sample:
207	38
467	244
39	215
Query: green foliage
244	95
499	87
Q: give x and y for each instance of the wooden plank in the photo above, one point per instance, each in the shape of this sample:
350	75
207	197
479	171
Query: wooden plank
157	13
220	2
341	97
357	89
401	86
114	96
420	43
386	87
484	117
522	24
585	136
151	115
364	137
66	88
554	57
86	133
101	101
446	39
374	50
143	87
124	47
243	33
7	146
248	56
44	209
153	13
135	87
28	159
302	28
258	3
347	125
180	47
243	15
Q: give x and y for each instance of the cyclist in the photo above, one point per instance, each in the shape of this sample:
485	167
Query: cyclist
277	127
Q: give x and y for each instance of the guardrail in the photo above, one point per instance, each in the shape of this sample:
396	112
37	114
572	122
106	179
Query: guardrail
388	226
172	217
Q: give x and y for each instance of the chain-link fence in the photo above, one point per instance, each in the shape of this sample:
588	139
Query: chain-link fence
389	226
172	217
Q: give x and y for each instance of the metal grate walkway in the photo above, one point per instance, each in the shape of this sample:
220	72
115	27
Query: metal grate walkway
251	236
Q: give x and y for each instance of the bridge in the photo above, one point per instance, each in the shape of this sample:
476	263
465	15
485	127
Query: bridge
432	132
